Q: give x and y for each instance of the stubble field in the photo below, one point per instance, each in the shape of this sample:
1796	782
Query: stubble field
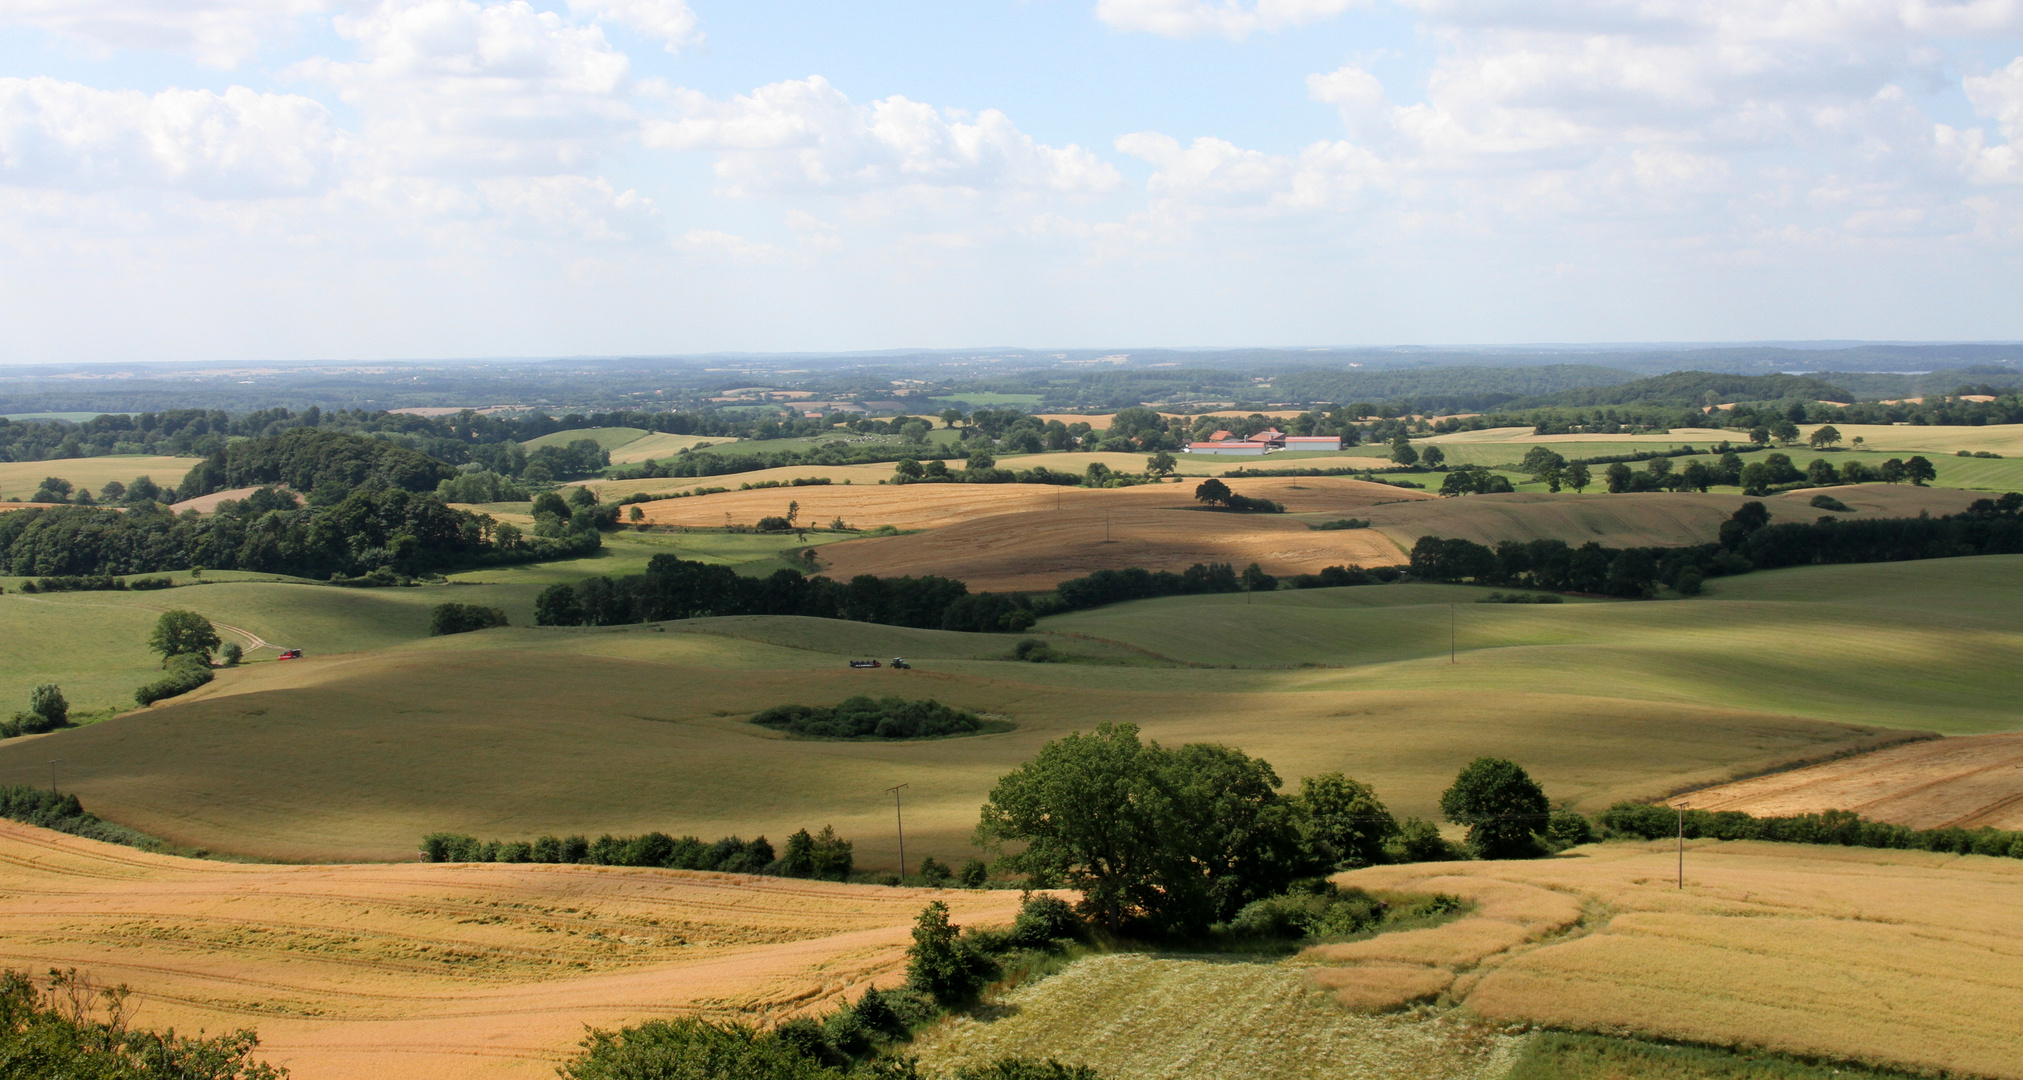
445	971
1966	783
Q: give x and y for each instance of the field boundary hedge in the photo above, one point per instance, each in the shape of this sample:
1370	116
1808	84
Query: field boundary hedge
1842	827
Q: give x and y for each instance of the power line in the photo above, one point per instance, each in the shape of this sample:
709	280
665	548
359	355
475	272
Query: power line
900	817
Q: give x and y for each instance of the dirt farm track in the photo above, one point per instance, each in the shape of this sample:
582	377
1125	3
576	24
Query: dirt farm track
446	972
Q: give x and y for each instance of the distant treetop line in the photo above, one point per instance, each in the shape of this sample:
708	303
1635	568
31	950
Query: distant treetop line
1433	379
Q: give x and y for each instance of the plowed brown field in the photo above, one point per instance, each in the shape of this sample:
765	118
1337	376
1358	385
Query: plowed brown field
1967	782
448	971
1029	543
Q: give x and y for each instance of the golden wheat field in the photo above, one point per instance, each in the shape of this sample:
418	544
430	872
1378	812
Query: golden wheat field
19	479
1893	958
1968	782
444	971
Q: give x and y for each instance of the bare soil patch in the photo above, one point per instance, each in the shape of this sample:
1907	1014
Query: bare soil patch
1969	782
444	971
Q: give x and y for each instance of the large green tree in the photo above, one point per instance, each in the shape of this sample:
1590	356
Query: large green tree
1342	821
180	633
1170	839
1501	805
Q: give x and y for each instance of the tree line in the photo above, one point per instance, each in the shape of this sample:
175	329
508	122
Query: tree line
1842	827
818	855
863	717
1748	542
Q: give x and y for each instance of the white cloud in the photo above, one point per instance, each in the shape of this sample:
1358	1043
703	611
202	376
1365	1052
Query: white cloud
240	143
805	135
1232	19
452	87
668	21
219	33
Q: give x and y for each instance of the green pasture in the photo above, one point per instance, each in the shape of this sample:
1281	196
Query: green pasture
381	735
610	438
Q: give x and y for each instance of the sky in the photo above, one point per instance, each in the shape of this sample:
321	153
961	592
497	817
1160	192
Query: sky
371	179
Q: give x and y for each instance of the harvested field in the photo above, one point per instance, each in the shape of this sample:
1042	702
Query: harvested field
1135	1017
660	444
2005	439
444	971
1893	958
1647	519
610	438
19	479
208	504
1034	537
1968	782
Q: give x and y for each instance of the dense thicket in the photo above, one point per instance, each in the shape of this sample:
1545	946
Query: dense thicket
675	588
182	673
1748	542
63	813
464	618
73	1029
820	855
1698	388
370	529
867	718
326	465
1841	827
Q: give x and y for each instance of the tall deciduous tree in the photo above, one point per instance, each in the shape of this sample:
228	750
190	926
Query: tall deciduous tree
179	633
1501	805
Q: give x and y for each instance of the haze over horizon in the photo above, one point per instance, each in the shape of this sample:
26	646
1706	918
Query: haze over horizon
271	180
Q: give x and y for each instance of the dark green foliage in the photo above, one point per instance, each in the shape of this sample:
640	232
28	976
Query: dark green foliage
463	618
71	1029
1035	651
1025	1069
1043	920
1565	829
729	855
1342	822
1341	523
687	1048
47	703
674	588
972	874
1501	805
1216	493
1325	911
1419	840
63	813
864	718
824	855
1521	598
184	673
1115	586
231	654
1335	577
316	463
181	632
940	963
1829	827
1474	480
1166	840
934	873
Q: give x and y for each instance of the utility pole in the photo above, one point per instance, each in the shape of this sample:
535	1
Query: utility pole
900	817
52	775
1450	634
1681	808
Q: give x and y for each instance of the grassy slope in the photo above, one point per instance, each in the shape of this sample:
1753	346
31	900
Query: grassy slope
521	731
19	479
610	438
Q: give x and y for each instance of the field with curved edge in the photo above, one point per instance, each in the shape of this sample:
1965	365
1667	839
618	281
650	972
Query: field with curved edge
445	971
19	479
517	732
1966	783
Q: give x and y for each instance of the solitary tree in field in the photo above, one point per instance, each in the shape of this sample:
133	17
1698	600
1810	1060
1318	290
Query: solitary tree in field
1919	471
47	702
1501	805
1433	458
179	633
951	417
1212	491
1577	477
1160	464
1823	437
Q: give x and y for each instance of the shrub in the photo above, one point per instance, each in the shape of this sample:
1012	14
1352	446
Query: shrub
232	654
63	813
942	965
1341	523
1326	912
47	702
464	618
972	874
1567	829
1828	502
1033	650
1043	920
1419	840
691	1049
934	872
59	1032
825	856
186	672
863	718
1027	1069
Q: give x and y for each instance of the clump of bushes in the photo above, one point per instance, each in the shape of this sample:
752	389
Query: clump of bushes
1341	523
63	813
47	711
1828	827
1521	598
1035	651
1319	910
1828	502
183	673
821	855
864	718
463	618
77	1029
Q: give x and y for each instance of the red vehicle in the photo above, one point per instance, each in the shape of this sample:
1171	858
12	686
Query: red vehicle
291	654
